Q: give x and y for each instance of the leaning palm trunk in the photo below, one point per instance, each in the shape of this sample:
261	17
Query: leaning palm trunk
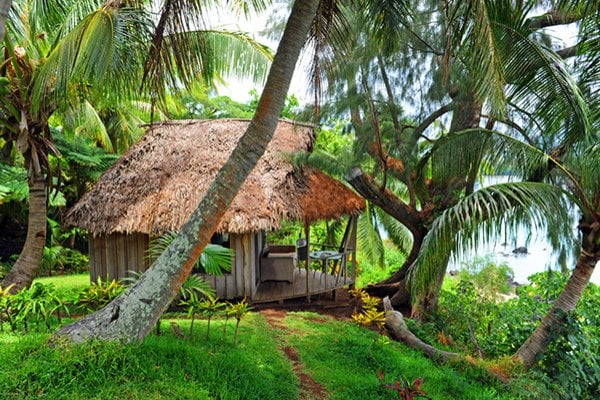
4	7
537	343
27	265
131	316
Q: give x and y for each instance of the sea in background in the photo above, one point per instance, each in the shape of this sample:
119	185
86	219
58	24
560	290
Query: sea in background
539	256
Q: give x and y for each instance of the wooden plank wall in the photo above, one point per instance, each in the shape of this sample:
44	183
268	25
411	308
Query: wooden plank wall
112	256
241	282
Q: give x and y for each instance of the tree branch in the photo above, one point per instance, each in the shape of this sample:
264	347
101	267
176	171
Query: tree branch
568	52
385	199
553	18
430	119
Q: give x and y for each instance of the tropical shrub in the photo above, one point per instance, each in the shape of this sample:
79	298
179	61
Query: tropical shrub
98	294
369	315
37	305
470	321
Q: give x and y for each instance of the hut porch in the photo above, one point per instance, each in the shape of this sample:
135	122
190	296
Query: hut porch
318	282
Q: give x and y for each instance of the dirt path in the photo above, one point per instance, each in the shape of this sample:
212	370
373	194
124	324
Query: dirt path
309	388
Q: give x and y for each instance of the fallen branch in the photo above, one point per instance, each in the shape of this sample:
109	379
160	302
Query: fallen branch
394	320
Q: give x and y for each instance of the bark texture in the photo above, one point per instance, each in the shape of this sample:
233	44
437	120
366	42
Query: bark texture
4	7
537	343
131	316
25	268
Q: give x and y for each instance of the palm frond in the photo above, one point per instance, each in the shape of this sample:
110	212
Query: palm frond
369	238
385	19
102	54
479	218
237	54
539	81
483	60
13	183
86	121
214	258
397	233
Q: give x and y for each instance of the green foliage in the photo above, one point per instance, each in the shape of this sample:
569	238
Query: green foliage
489	277
369	273
369	314
208	308
99	294
195	284
405	389
239	310
38	304
470	321
13	186
192	304
214	259
570	367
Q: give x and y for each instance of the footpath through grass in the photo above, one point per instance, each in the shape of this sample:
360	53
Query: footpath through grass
343	358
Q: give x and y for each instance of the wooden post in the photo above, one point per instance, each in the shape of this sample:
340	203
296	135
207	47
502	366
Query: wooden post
353	244
307	234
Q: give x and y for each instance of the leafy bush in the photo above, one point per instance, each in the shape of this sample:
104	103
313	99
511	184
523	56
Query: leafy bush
469	320
490	278
99	294
38	305
369	314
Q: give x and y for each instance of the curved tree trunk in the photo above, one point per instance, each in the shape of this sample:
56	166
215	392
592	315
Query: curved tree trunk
27	265
131	316
4	7
537	343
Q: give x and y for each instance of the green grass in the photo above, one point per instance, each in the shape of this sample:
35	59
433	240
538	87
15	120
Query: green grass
343	358
70	283
346	360
162	367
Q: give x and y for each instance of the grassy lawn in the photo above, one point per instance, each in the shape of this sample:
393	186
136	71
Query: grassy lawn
71	283
340	356
163	367
346	360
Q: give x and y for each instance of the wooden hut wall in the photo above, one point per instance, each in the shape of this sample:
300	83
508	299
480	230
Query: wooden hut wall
241	281
113	255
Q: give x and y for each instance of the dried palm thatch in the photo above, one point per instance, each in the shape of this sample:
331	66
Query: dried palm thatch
159	182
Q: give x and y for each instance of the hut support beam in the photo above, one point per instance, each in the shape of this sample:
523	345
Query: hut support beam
307	234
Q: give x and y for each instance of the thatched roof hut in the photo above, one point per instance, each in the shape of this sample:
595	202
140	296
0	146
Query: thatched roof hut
158	183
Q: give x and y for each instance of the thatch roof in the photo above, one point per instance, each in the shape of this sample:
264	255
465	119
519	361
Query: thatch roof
157	184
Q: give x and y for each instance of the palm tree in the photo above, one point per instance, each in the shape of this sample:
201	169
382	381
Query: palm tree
486	65
78	53
132	316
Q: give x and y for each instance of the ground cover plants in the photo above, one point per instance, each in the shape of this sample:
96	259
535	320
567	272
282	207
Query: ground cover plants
471	320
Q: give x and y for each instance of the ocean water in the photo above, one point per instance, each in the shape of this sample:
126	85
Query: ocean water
539	256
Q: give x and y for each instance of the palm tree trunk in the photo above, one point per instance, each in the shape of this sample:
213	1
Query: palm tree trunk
4	7
26	266
131	316
537	343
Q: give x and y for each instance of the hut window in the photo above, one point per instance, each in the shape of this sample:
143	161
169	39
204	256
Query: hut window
221	239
